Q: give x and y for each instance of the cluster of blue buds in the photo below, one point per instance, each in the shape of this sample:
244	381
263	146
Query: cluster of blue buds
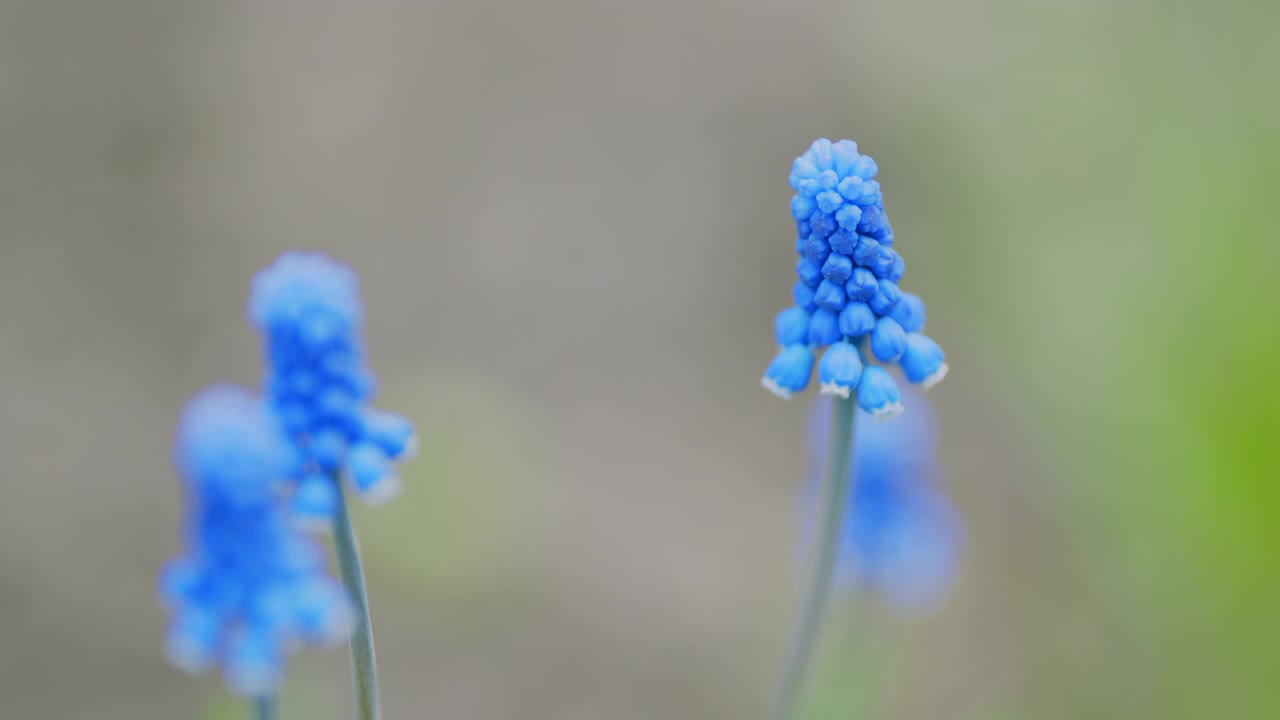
251	586
847	299
307	306
902	537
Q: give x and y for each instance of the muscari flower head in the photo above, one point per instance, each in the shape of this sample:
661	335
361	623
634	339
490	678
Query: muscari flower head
902	538
307	306
250	586
847	297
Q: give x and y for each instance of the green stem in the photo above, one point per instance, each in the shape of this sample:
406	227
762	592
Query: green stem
266	708
363	666
805	636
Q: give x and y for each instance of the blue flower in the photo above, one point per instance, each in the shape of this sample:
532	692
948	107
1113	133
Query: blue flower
848	293
840	370
250	586
878	394
923	361
789	372
902	537
308	309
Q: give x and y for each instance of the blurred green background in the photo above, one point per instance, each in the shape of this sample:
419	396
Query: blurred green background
571	223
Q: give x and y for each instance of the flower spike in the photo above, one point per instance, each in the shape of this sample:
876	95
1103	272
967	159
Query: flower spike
848	286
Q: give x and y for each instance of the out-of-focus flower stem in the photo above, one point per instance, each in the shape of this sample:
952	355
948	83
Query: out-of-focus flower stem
363	666
805	635
266	708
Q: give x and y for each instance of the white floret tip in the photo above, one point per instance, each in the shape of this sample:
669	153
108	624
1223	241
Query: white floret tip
772	386
387	488
188	656
832	388
936	377
410	450
887	412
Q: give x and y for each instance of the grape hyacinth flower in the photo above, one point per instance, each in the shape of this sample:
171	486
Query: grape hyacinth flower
307	306
847	298
848	307
250	586
901	538
308	309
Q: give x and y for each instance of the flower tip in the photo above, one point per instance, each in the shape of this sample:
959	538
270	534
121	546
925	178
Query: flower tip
836	389
937	376
772	386
188	655
410	450
382	490
887	412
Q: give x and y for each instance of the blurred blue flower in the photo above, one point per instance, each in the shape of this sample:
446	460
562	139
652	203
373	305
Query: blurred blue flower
902	538
250	586
307	306
848	289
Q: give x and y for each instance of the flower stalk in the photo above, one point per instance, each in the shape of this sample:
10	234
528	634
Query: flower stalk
364	667
835	501
266	708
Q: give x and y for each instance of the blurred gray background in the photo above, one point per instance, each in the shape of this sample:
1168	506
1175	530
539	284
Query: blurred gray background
571	224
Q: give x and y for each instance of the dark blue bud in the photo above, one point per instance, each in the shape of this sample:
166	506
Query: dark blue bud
830	296
837	268
802	244
866	252
791	327
822	224
886	298
789	372
888	340
872	221
849	216
839	370
862	285
923	362
878	394
817	249
824	328
843	241
803	296
802	227
883	264
856	319
809	271
909	312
